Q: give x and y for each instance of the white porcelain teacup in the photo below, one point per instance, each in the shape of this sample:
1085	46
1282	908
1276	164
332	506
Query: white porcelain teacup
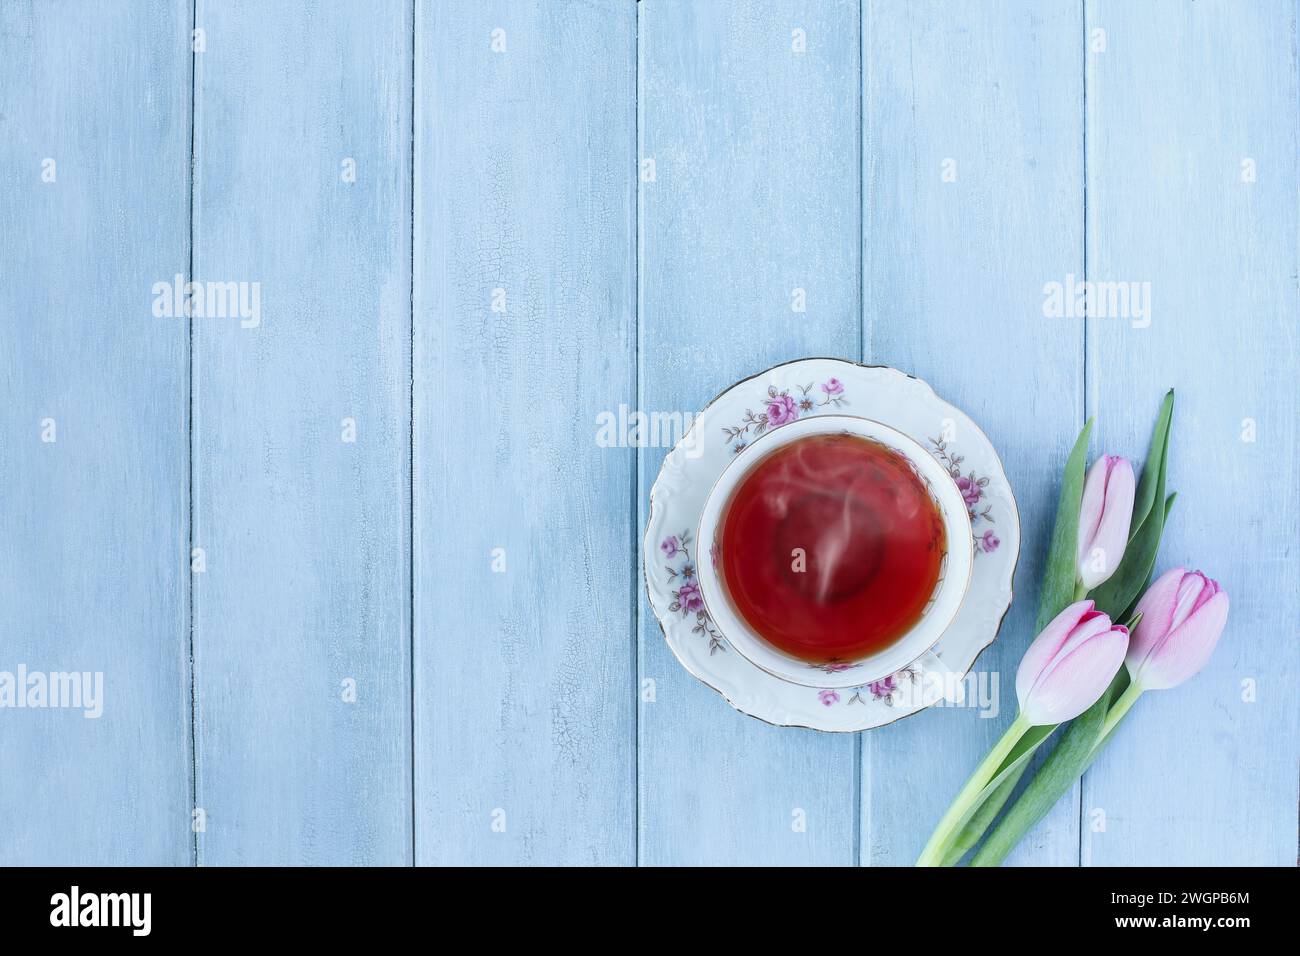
945	600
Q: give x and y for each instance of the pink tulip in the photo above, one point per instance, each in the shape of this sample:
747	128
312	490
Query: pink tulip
1104	518
1066	669
1069	664
1183	614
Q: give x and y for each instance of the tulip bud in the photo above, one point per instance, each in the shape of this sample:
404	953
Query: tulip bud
1104	518
1069	664
1183	614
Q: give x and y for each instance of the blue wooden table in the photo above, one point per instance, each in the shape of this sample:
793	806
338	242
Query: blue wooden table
363	585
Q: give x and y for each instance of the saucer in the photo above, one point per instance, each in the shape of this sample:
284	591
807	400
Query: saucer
771	399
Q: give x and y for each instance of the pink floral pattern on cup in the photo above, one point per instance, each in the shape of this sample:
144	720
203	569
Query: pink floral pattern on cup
834	666
687	599
781	410
783	407
972	488
888	690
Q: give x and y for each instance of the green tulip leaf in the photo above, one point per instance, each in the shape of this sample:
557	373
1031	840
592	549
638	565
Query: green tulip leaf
1117	594
1063	766
1018	758
1003	782
1146	490
1131	610
984	815
1057	592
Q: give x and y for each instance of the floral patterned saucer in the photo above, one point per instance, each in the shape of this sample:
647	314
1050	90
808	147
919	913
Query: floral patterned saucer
777	397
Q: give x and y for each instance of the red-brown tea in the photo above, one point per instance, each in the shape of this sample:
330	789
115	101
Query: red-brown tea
831	547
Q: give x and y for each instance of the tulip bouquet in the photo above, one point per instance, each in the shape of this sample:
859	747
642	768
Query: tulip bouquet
1084	668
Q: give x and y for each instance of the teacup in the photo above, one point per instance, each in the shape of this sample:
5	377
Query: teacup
882	551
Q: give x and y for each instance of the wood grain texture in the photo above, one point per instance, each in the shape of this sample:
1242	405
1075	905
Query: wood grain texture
755	194
991	95
93	524
1204	774
524	742
306	535
512	724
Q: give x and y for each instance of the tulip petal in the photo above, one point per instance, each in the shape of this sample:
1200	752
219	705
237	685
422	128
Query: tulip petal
1157	609
1092	506
1190	590
1104	519
1182	652
1089	627
1078	679
1046	645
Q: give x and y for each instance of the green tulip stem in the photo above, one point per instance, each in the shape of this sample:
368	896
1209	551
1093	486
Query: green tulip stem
966	801
1115	715
1080	591
1075	752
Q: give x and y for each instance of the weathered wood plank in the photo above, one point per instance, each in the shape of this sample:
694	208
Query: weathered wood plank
94	209
524	326
302	434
